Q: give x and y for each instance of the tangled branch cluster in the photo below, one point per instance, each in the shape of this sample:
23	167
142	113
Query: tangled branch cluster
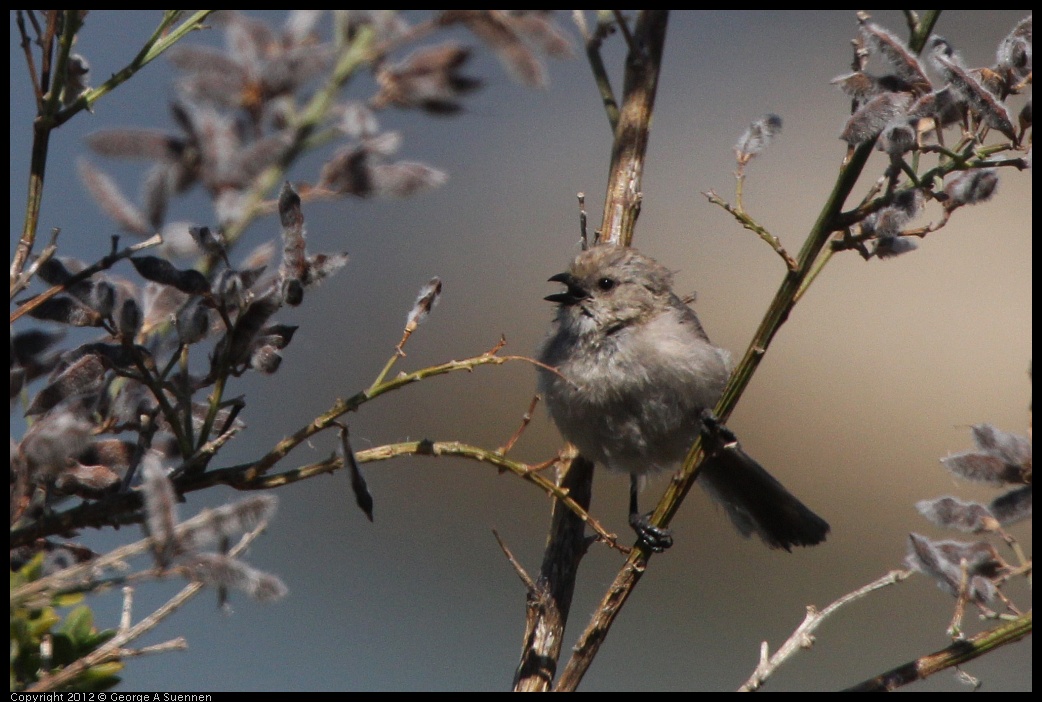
123	419
908	114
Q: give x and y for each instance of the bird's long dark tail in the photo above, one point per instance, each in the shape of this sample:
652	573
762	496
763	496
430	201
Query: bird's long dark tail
754	500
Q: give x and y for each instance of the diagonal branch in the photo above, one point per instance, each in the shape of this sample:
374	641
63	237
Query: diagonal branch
785	299
958	653
803	636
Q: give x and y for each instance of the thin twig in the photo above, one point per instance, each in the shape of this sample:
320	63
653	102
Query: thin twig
87	272
803	636
352	404
125	617
518	568
525	419
178	644
113	648
819	266
26	45
111	510
584	238
25	277
634	49
752	225
592	42
244	477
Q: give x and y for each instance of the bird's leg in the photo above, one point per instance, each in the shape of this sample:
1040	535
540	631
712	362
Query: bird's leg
655	538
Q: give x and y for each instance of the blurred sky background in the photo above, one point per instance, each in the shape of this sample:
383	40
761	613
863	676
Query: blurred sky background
878	373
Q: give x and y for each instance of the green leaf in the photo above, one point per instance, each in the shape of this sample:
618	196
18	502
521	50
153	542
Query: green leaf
98	638
78	625
100	677
41	622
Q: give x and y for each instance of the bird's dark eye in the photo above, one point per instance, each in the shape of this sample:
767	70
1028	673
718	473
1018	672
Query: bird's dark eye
606	284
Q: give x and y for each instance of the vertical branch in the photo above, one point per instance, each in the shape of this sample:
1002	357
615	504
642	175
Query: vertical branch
622	200
551	599
548	608
37	170
51	115
38	157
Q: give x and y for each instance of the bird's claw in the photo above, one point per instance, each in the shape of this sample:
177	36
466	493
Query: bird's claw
657	539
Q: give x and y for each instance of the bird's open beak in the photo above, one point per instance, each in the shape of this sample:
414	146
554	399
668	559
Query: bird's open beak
572	295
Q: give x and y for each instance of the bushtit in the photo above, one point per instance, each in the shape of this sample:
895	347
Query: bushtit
635	383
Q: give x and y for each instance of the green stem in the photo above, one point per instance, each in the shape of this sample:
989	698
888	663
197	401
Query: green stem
957	654
383	373
600	72
154	47
792	286
51	117
356	54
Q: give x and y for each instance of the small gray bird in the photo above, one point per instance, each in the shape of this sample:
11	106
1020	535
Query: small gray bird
636	382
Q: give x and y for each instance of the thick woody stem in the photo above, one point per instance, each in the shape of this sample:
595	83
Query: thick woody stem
623	197
548	608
